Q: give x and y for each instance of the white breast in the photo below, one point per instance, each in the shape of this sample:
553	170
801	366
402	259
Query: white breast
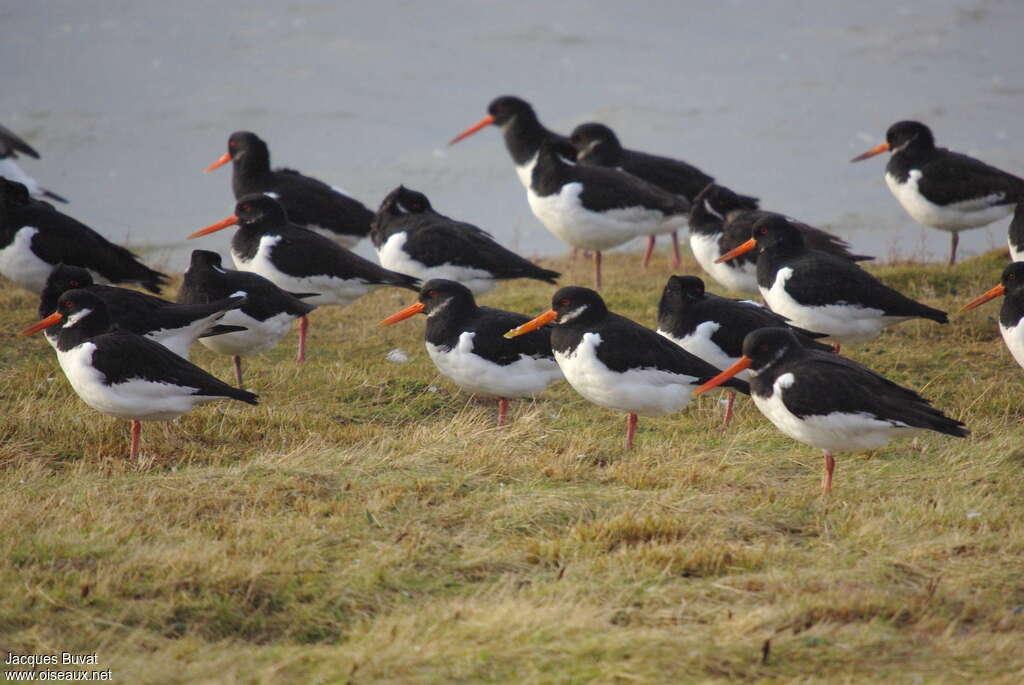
699	344
954	217
1014	339
1016	251
835	432
525	171
705	251
393	256
564	215
19	264
648	392
522	378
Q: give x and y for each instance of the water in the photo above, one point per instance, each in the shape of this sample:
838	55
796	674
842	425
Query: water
128	101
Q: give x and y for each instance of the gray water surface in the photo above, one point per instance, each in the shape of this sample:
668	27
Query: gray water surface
128	101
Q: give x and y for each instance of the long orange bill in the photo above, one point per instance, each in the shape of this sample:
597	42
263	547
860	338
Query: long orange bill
743	363
737	251
230	221
221	161
877	150
45	323
486	121
411	310
533	324
990	295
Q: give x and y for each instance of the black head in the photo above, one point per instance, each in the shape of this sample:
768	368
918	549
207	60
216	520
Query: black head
258	208
404	200
719	200
680	293
242	144
591	134
1013	278
909	134
765	346
66	277
13	193
82	314
440	294
506	107
576	305
205	259
777	234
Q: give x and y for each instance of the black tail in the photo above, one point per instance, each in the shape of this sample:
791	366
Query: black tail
241	395
400	280
943	424
933	314
860	258
53	196
221	329
546	275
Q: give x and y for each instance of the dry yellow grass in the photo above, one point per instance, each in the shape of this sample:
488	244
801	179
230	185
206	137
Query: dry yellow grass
368	523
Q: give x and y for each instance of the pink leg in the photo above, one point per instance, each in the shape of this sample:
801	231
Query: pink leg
136	431
676	260
237	361
597	270
830	467
728	408
648	251
502	411
303	327
630	430
835	348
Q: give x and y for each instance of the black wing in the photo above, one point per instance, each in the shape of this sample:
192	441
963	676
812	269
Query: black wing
310	201
490	326
953	177
740	227
673	175
303	253
437	244
605	189
11	144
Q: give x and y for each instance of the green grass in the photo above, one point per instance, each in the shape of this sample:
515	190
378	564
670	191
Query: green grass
368	523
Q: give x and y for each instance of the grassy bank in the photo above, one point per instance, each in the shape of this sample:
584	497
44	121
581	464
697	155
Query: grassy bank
368	523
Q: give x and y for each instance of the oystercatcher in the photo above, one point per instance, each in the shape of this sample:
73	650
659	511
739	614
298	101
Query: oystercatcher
941	188
828	401
412	238
722	220
616	363
522	131
124	374
35	238
175	326
713	327
1012	312
10	145
822	292
310	203
1016	234
466	344
597	145
300	261
597	208
263	318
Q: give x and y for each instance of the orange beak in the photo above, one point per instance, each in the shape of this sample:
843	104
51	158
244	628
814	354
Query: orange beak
224	223
737	251
877	150
411	310
221	161
533	324
486	121
45	323
743	363
990	295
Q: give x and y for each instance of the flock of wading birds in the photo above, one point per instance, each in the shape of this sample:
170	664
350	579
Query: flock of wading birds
126	353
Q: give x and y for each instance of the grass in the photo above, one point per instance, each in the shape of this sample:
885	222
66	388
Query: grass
368	523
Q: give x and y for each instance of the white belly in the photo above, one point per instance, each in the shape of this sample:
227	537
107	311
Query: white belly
846	324
134	399
1014	339
259	336
331	290
699	344
392	256
739	279
19	264
648	392
522	378
525	171
954	217
836	432
564	215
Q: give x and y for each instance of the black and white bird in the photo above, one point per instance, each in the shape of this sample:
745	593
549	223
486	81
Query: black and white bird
11	144
616	363
466	343
597	145
941	188
821	292
1015	239
175	326
1011	315
35	238
300	261
828	401
123	374
264	317
713	327
310	203
597	208
722	220
522	131
412	238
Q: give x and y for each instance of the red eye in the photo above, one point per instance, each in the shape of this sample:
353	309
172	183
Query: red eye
1011	277
74	284
564	303
246	208
231	143
69	305
763	348
764	231
432	293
